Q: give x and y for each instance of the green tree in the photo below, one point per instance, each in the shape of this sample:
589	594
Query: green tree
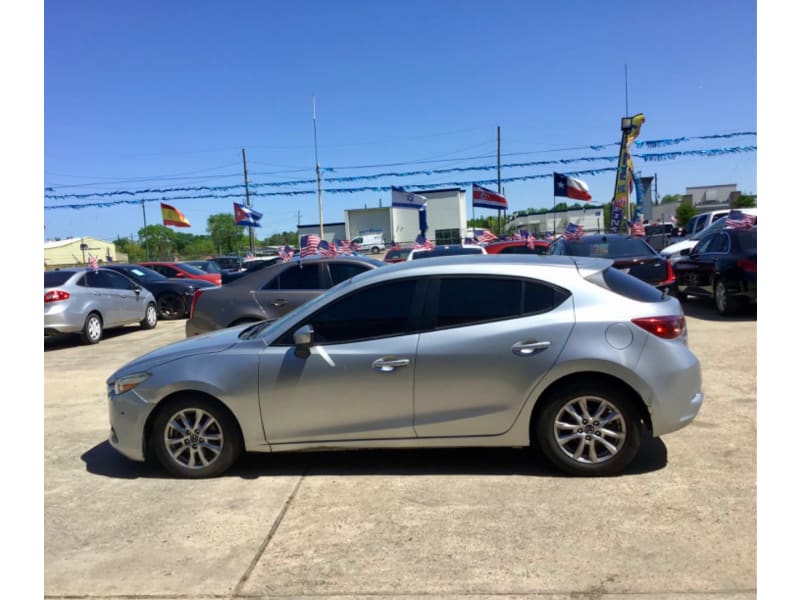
683	213
226	236
671	198
745	201
158	242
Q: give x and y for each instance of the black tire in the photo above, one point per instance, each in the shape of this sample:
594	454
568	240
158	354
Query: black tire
375	250
92	329
562	434
213	439
150	317
171	306
726	306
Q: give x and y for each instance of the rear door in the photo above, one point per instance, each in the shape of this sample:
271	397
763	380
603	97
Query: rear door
489	340
291	288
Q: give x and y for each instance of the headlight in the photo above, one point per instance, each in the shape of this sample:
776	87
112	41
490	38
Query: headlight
127	383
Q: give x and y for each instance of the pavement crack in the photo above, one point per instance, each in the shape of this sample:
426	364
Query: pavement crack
263	548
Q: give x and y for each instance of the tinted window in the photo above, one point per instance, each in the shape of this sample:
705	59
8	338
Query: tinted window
464	300
539	297
398	253
142	273
107	280
719	243
297	277
342	272
55	278
191	269
616	247
449	251
516	250
627	285
378	311
747	240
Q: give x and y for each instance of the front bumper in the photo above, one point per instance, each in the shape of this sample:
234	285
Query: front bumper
128	415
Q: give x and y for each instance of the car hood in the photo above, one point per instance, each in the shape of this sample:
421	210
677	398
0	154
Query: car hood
677	247
209	343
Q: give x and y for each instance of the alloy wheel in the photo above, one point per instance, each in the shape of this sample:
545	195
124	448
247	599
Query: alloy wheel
589	430
193	438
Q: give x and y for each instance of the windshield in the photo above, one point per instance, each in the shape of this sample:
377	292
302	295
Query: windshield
140	273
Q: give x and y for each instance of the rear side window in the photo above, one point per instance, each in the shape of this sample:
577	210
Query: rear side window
747	240
626	285
297	277
56	278
472	300
516	250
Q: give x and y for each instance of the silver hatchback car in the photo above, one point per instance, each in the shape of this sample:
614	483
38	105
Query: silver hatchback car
501	350
87	302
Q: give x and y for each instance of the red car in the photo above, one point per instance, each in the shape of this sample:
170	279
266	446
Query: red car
183	271
517	247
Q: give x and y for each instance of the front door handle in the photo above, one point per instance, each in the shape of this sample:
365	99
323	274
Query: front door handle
529	347
387	365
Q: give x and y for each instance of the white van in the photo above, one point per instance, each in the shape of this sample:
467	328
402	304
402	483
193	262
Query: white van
674	252
371	242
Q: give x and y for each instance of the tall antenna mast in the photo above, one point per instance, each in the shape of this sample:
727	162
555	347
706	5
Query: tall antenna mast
316	160
626	90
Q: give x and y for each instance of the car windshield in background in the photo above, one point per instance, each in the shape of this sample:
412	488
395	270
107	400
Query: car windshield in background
190	269
402	253
445	251
143	274
609	248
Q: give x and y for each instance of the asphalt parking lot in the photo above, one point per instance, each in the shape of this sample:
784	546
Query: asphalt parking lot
679	523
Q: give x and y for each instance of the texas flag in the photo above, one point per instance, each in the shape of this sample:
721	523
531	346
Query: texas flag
487	198
563	185
245	216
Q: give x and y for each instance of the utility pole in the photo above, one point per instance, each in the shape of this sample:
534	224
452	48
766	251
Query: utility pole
316	160
146	244
251	236
499	184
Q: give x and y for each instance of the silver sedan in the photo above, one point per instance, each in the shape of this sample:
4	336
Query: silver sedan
501	350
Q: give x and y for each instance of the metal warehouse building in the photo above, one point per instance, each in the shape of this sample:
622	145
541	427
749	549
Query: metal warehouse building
76	251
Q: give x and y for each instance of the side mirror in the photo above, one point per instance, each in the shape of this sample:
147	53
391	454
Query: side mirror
686	251
303	340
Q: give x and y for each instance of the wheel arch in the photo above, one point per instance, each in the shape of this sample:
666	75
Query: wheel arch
167	401
584	377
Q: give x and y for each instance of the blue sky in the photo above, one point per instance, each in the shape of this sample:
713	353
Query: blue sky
155	95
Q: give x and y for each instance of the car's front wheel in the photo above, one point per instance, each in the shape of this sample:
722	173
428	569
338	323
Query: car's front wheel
171	306
92	329
589	429
150	317
195	437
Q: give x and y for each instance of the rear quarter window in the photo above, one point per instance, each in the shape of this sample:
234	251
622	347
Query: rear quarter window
626	285
55	278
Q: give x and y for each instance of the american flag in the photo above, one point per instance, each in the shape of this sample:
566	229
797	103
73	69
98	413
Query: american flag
738	220
325	249
486	237
93	264
249	256
353	246
343	246
286	253
573	232
421	242
309	244
637	229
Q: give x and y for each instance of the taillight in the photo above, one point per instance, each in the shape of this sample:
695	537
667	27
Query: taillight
668	328
56	296
670	274
748	266
195	296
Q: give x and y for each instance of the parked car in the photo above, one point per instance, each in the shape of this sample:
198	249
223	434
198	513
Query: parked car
87	302
248	266
173	295
445	250
681	248
630	254
723	267
397	254
209	266
272	291
182	270
517	247
567	353
370	242
228	263
659	235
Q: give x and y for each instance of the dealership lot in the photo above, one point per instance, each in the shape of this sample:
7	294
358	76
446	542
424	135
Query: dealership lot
681	522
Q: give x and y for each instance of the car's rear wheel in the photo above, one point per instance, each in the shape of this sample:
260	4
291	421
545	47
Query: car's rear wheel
171	306
195	437
722	300
92	329
150	317
589	429
375	250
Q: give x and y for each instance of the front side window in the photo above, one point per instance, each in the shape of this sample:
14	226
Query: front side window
381	310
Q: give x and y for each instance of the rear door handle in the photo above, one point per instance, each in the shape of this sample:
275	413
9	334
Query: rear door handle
386	365
529	347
